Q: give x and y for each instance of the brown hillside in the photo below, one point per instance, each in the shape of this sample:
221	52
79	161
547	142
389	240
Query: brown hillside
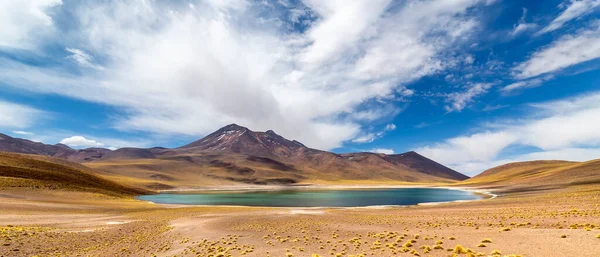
34	171
540	173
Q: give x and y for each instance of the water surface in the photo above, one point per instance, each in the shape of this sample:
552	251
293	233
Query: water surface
316	198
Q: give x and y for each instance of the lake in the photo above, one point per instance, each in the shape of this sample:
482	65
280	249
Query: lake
316	198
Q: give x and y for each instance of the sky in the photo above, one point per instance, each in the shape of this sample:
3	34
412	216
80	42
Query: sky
471	84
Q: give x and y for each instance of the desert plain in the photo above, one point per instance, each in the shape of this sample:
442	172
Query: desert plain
554	216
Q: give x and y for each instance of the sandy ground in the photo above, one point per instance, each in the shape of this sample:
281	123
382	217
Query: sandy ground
562	222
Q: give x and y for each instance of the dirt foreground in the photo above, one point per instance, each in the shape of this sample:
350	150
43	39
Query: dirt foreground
563	222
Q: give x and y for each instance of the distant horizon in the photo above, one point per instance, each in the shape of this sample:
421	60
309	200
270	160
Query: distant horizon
470	84
348	152
76	147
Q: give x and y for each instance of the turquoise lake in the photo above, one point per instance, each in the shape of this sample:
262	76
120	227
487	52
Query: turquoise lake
316	198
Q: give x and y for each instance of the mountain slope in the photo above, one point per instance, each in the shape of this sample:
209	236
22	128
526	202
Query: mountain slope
18	145
24	146
409	160
539	173
34	171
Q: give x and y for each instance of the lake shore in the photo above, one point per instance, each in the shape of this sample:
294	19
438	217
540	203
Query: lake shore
70	223
246	188
484	195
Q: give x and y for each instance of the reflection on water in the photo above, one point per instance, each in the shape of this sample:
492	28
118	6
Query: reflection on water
317	198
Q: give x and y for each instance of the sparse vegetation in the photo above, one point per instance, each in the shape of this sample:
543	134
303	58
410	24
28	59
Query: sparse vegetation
152	230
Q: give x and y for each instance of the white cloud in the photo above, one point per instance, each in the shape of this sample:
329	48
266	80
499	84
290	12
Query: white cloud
459	100
109	143
490	108
82	58
562	129
382	150
469	59
189	70
567	51
21	132
574	10
481	146
23	20
520	85
559	129
18	116
390	127
80	142
367	138
370	137
522	25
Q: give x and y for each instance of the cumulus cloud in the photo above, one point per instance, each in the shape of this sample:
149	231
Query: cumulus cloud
189	69
109	143
80	142
573	10
18	116
567	51
481	147
382	150
459	100
559	129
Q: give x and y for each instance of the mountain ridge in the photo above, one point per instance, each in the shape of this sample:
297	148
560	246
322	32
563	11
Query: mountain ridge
239	155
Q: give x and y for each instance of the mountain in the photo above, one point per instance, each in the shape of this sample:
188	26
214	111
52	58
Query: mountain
415	161
17	145
539	174
235	154
238	139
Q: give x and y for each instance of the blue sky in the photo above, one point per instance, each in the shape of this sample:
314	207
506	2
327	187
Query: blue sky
469	83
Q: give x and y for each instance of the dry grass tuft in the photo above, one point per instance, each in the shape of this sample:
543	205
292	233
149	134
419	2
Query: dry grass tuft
496	252
459	249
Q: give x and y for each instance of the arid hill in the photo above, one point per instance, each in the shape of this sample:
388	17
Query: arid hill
39	172
539	174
